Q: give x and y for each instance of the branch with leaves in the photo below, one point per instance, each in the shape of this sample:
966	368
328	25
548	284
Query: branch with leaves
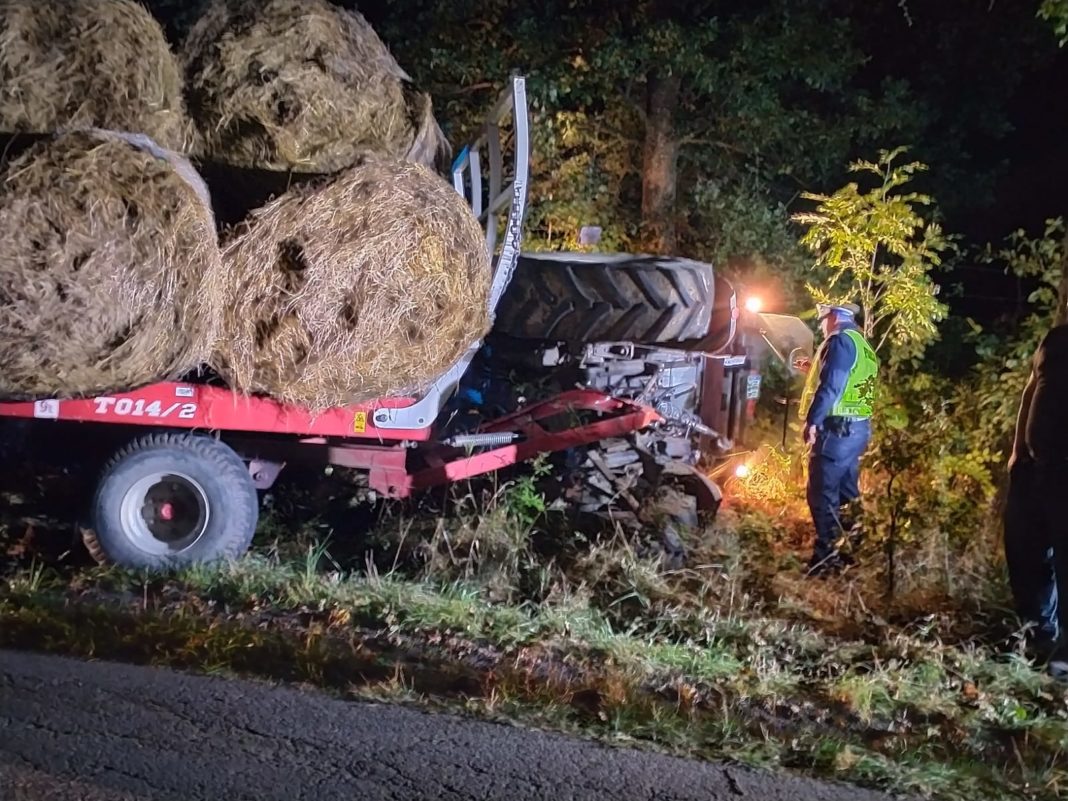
875	248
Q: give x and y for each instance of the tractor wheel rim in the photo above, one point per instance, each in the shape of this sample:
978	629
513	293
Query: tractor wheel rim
165	513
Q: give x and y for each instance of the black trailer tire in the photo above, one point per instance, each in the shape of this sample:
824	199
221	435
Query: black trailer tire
600	297
168	501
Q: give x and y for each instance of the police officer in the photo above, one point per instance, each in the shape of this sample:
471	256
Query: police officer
836	407
1036	511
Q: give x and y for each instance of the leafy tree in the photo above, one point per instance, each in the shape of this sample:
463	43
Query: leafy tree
933	479
734	112
873	246
673	126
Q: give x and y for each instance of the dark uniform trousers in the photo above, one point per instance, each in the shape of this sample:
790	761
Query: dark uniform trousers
1036	544
833	475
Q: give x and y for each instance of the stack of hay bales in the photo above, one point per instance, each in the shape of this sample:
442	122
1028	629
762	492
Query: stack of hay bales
110	276
369	278
89	63
301	85
368	284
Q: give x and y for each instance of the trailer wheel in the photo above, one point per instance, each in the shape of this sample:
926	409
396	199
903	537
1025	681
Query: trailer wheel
173	500
648	300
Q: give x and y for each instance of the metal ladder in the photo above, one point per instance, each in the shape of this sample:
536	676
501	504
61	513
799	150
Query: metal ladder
467	178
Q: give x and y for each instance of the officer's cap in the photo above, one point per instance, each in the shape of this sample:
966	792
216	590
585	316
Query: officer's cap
842	310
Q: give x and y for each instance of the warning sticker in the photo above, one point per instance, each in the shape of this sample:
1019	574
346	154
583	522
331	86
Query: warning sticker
359	423
752	387
46	409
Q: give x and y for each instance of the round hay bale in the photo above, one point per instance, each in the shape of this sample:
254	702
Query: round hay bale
301	85
110	274
367	285
89	63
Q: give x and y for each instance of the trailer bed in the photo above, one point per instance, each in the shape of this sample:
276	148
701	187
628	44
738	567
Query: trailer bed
182	405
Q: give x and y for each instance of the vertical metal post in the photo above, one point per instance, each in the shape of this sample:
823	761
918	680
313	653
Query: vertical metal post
785	415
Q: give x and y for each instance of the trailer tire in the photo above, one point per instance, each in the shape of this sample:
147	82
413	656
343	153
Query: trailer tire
167	501
648	300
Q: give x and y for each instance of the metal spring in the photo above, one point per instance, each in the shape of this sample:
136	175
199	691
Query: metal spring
482	440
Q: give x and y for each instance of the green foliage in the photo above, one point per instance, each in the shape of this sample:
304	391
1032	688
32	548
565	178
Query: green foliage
874	247
761	112
935	478
1055	12
1005	361
585	174
522	499
940	445
1038	258
740	219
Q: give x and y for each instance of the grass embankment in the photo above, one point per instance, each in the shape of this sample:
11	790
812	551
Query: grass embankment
732	655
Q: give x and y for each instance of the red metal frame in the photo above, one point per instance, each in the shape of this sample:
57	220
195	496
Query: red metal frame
200	406
621	417
397	471
348	434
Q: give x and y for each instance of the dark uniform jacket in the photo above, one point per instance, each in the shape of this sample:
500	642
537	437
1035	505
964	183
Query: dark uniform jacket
835	357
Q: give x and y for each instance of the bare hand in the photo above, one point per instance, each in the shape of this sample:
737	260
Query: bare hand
810	434
802	364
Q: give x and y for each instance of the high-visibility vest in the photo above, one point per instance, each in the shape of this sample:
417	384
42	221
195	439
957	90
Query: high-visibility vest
858	398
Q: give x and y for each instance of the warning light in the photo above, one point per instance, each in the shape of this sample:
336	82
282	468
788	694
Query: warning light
753	304
742	471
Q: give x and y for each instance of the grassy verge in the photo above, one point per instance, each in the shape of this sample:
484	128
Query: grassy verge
732	656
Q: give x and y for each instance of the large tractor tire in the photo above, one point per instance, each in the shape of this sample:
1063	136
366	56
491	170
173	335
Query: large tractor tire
173	500
578	297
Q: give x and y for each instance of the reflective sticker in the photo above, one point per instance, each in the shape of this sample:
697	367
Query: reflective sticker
752	389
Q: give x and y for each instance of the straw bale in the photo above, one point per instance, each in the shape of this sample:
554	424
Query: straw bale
110	274
366	285
89	63
301	85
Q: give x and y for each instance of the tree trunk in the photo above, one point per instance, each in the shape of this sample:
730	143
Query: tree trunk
660	164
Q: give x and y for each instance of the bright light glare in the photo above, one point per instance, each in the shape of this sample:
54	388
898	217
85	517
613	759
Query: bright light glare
742	471
753	304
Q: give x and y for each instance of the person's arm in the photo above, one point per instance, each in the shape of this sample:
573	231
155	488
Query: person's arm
1020	450
834	373
1019	446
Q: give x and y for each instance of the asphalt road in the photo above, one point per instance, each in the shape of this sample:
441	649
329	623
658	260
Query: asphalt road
93	731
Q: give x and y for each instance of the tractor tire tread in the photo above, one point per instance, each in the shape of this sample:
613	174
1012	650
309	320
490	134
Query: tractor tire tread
646	300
